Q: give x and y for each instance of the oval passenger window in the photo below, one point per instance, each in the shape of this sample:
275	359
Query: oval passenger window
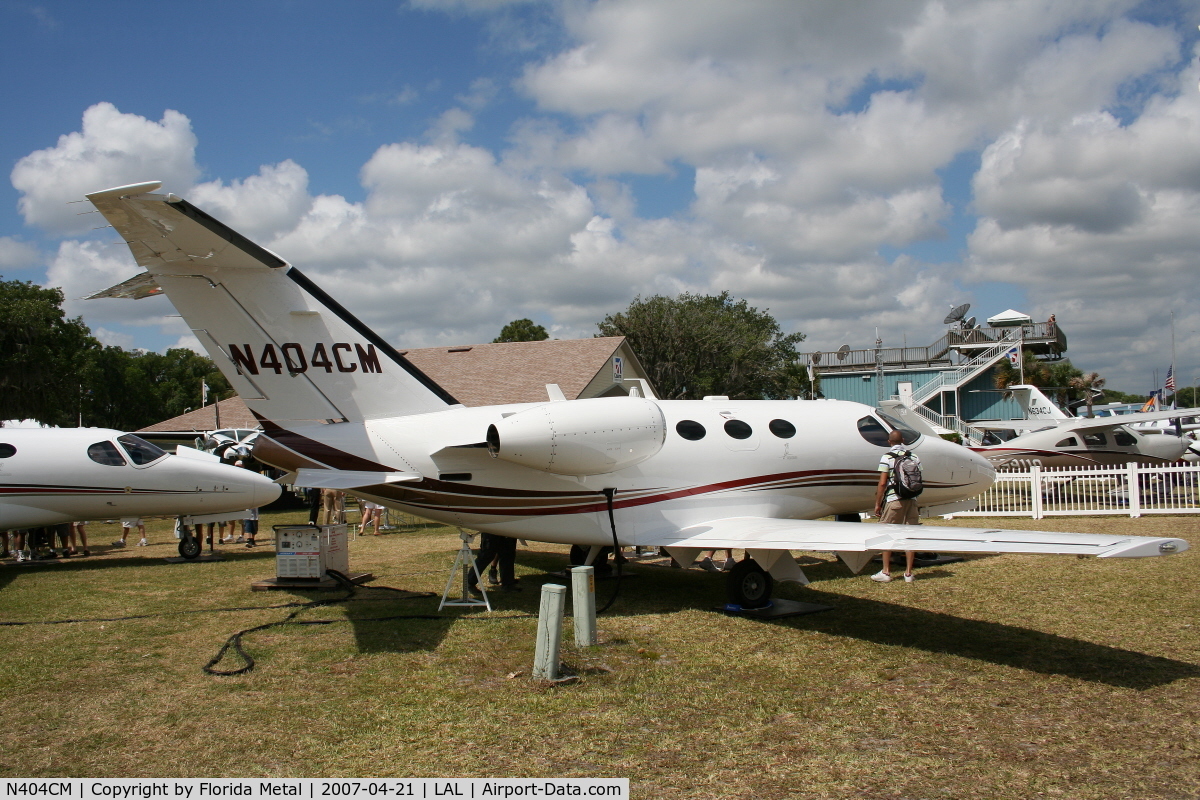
691	430
782	428
7	450
738	429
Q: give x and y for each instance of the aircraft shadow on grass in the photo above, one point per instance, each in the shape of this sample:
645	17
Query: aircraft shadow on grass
655	590
384	621
887	623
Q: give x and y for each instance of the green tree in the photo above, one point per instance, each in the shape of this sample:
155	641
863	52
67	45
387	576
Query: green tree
1088	384
1056	380
132	389
696	345
53	370
521	330
42	355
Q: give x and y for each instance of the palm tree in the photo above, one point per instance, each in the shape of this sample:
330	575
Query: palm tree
1089	384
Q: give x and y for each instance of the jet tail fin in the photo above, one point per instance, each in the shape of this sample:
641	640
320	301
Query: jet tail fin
290	351
1035	404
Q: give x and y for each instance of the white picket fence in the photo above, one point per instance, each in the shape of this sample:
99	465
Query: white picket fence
1127	489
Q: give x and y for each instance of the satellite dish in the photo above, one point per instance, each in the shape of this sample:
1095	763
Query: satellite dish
843	351
970	323
816	357
958	313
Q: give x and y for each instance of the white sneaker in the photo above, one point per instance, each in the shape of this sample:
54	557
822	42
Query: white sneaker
908	577
881	576
707	563
143	543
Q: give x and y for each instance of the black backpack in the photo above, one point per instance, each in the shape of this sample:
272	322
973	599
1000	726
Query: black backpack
906	476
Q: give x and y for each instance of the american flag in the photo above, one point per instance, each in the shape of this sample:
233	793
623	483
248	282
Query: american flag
1170	384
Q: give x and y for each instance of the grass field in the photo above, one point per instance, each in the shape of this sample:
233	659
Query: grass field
999	677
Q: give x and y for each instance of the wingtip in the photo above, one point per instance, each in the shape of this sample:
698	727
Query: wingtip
1142	548
125	191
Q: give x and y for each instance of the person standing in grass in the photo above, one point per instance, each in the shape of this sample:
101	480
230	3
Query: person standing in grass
128	524
250	527
890	507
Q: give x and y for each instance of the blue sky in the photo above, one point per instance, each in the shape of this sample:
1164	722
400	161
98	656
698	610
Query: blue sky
445	167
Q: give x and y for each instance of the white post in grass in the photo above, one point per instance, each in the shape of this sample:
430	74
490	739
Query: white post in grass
583	604
549	633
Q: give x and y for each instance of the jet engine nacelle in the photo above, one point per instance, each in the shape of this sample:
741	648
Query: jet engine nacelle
581	437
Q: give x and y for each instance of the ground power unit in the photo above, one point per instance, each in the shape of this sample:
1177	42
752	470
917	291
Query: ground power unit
308	551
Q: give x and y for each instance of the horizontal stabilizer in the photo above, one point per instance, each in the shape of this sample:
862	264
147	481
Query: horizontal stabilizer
289	350
135	288
345	480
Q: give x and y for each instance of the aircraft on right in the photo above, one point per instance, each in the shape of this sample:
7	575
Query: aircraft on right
1052	439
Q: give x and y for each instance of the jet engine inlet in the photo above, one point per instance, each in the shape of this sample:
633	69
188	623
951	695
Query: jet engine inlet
581	437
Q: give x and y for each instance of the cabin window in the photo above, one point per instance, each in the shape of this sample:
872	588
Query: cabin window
873	431
1070	441
7	450
455	476
909	433
782	428
1124	438
1095	439
140	451
738	429
691	430
106	453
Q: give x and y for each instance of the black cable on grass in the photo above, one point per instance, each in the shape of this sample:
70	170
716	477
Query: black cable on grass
234	642
609	494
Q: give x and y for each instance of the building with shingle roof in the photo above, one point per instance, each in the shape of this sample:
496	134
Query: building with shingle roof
476	375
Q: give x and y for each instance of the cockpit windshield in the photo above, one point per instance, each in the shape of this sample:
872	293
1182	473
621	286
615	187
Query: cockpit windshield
910	434
140	451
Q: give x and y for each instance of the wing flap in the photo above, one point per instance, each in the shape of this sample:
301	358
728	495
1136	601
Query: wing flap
344	480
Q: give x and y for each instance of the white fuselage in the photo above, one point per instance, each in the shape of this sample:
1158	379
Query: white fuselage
1068	448
47	477
826	467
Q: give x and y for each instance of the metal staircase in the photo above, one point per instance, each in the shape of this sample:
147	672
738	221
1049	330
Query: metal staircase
953	379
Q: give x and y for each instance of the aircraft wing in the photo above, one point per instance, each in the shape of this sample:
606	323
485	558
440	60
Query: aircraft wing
849	539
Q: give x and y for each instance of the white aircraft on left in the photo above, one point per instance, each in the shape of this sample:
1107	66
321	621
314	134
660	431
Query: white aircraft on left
49	476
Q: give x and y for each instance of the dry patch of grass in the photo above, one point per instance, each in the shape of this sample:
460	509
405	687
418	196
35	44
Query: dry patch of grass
999	677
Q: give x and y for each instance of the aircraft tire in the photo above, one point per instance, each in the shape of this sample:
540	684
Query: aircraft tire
748	585
189	547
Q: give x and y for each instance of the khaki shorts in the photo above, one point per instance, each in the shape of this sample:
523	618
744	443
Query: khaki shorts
901	512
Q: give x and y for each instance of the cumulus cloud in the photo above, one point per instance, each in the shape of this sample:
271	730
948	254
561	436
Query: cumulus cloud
113	149
266	204
824	141
16	254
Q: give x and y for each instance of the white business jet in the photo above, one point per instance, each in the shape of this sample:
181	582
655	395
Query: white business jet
341	408
1055	440
49	476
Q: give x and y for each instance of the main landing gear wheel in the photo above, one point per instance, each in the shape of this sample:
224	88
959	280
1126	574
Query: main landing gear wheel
189	547
748	585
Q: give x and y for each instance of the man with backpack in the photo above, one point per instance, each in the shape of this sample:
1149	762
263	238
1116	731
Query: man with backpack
896	498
